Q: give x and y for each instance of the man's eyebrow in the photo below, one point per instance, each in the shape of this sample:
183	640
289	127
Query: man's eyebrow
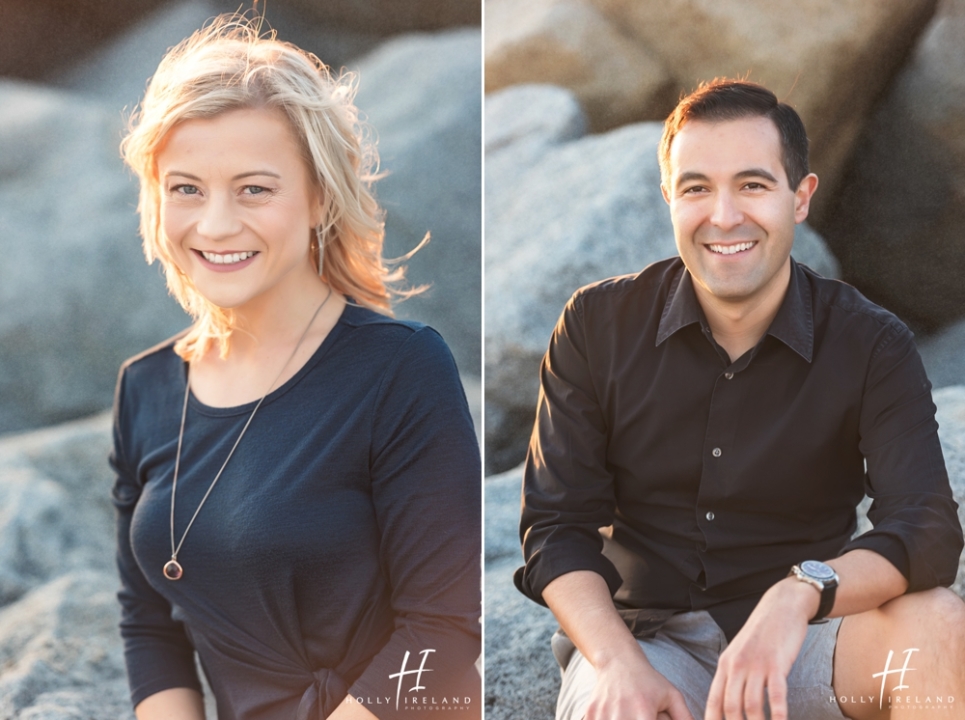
239	176
690	176
756	172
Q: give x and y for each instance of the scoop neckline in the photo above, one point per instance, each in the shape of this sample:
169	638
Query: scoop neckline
215	411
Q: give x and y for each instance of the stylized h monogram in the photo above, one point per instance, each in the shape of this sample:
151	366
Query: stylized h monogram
888	671
418	673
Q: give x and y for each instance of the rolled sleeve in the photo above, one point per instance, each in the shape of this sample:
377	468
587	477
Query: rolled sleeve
915	518
568	492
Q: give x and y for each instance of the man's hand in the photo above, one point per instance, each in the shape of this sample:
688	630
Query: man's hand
627	687
630	689
761	655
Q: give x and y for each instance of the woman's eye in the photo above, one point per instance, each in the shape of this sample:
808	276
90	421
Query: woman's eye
185	190
255	190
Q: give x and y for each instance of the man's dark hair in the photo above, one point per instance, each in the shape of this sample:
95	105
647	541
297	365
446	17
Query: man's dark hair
720	100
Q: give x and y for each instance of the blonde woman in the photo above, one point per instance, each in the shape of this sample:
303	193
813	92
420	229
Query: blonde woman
297	475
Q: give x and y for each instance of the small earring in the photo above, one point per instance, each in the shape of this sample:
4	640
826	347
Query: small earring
320	249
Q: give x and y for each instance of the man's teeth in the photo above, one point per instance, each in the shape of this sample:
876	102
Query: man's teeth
226	258
731	249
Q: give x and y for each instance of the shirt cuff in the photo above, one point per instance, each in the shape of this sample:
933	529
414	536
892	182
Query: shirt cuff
547	564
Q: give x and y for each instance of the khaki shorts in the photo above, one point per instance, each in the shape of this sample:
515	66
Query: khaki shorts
685	651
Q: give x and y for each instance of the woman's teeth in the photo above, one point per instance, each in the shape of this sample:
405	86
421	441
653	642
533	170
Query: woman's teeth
226	258
731	249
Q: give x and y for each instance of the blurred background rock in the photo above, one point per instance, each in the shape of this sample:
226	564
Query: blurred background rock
576	94
77	298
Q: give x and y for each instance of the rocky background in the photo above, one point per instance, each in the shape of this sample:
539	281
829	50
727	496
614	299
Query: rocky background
77	298
576	94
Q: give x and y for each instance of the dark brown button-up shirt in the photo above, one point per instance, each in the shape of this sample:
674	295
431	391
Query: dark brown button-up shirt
692	482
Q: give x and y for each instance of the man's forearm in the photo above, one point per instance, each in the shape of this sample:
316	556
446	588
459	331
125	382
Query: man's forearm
582	604
866	581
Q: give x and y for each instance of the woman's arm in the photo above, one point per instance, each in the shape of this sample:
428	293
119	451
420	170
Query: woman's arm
426	490
176	704
158	654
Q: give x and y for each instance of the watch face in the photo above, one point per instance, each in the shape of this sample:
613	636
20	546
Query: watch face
817	570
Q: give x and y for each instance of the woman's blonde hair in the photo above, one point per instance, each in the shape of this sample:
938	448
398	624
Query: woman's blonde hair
227	65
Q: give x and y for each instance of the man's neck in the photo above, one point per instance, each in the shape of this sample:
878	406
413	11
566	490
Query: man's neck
738	324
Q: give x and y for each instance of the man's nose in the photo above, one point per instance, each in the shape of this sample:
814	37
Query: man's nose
219	218
726	212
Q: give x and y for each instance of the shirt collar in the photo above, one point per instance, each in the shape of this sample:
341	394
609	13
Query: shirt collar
793	325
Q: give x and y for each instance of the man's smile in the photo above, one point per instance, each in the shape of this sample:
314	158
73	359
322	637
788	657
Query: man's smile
731	249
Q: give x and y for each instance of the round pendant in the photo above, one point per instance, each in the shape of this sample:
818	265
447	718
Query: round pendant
172	570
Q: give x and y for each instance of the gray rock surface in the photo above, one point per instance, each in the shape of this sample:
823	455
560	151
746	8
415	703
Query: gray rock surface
429	144
897	229
522	678
944	355
562	211
76	296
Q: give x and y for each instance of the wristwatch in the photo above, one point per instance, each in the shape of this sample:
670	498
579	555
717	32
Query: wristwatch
824	578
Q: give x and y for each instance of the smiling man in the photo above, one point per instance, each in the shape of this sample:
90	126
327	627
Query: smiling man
705	430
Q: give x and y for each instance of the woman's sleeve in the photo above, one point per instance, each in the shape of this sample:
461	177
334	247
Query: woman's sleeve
426	487
157	653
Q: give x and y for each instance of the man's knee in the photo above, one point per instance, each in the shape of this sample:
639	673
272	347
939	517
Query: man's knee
937	615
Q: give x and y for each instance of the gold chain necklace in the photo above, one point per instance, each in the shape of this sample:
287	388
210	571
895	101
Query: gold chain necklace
172	568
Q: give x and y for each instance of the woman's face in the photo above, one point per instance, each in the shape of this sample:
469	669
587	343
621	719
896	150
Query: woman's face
237	206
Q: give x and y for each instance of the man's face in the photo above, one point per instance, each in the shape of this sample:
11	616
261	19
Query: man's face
732	209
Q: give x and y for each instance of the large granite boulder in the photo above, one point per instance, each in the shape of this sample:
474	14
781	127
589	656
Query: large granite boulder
897	229
76	296
522	678
830	59
848	50
563	210
571	44
421	94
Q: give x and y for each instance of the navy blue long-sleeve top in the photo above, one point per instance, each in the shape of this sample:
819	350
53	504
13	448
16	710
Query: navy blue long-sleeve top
341	543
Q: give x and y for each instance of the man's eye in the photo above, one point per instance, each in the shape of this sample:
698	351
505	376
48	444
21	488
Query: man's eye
693	190
755	186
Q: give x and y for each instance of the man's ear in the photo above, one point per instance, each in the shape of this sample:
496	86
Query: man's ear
802	197
665	192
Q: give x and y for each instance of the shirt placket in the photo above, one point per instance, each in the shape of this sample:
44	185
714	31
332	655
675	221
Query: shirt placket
717	464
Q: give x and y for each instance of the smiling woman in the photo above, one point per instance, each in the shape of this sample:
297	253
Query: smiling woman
297	474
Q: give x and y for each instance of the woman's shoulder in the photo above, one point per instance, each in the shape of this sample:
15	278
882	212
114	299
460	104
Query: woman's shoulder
152	367
155	359
396	346
388	332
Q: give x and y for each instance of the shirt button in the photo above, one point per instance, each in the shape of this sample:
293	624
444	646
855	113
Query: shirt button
710	515
715	452
729	375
